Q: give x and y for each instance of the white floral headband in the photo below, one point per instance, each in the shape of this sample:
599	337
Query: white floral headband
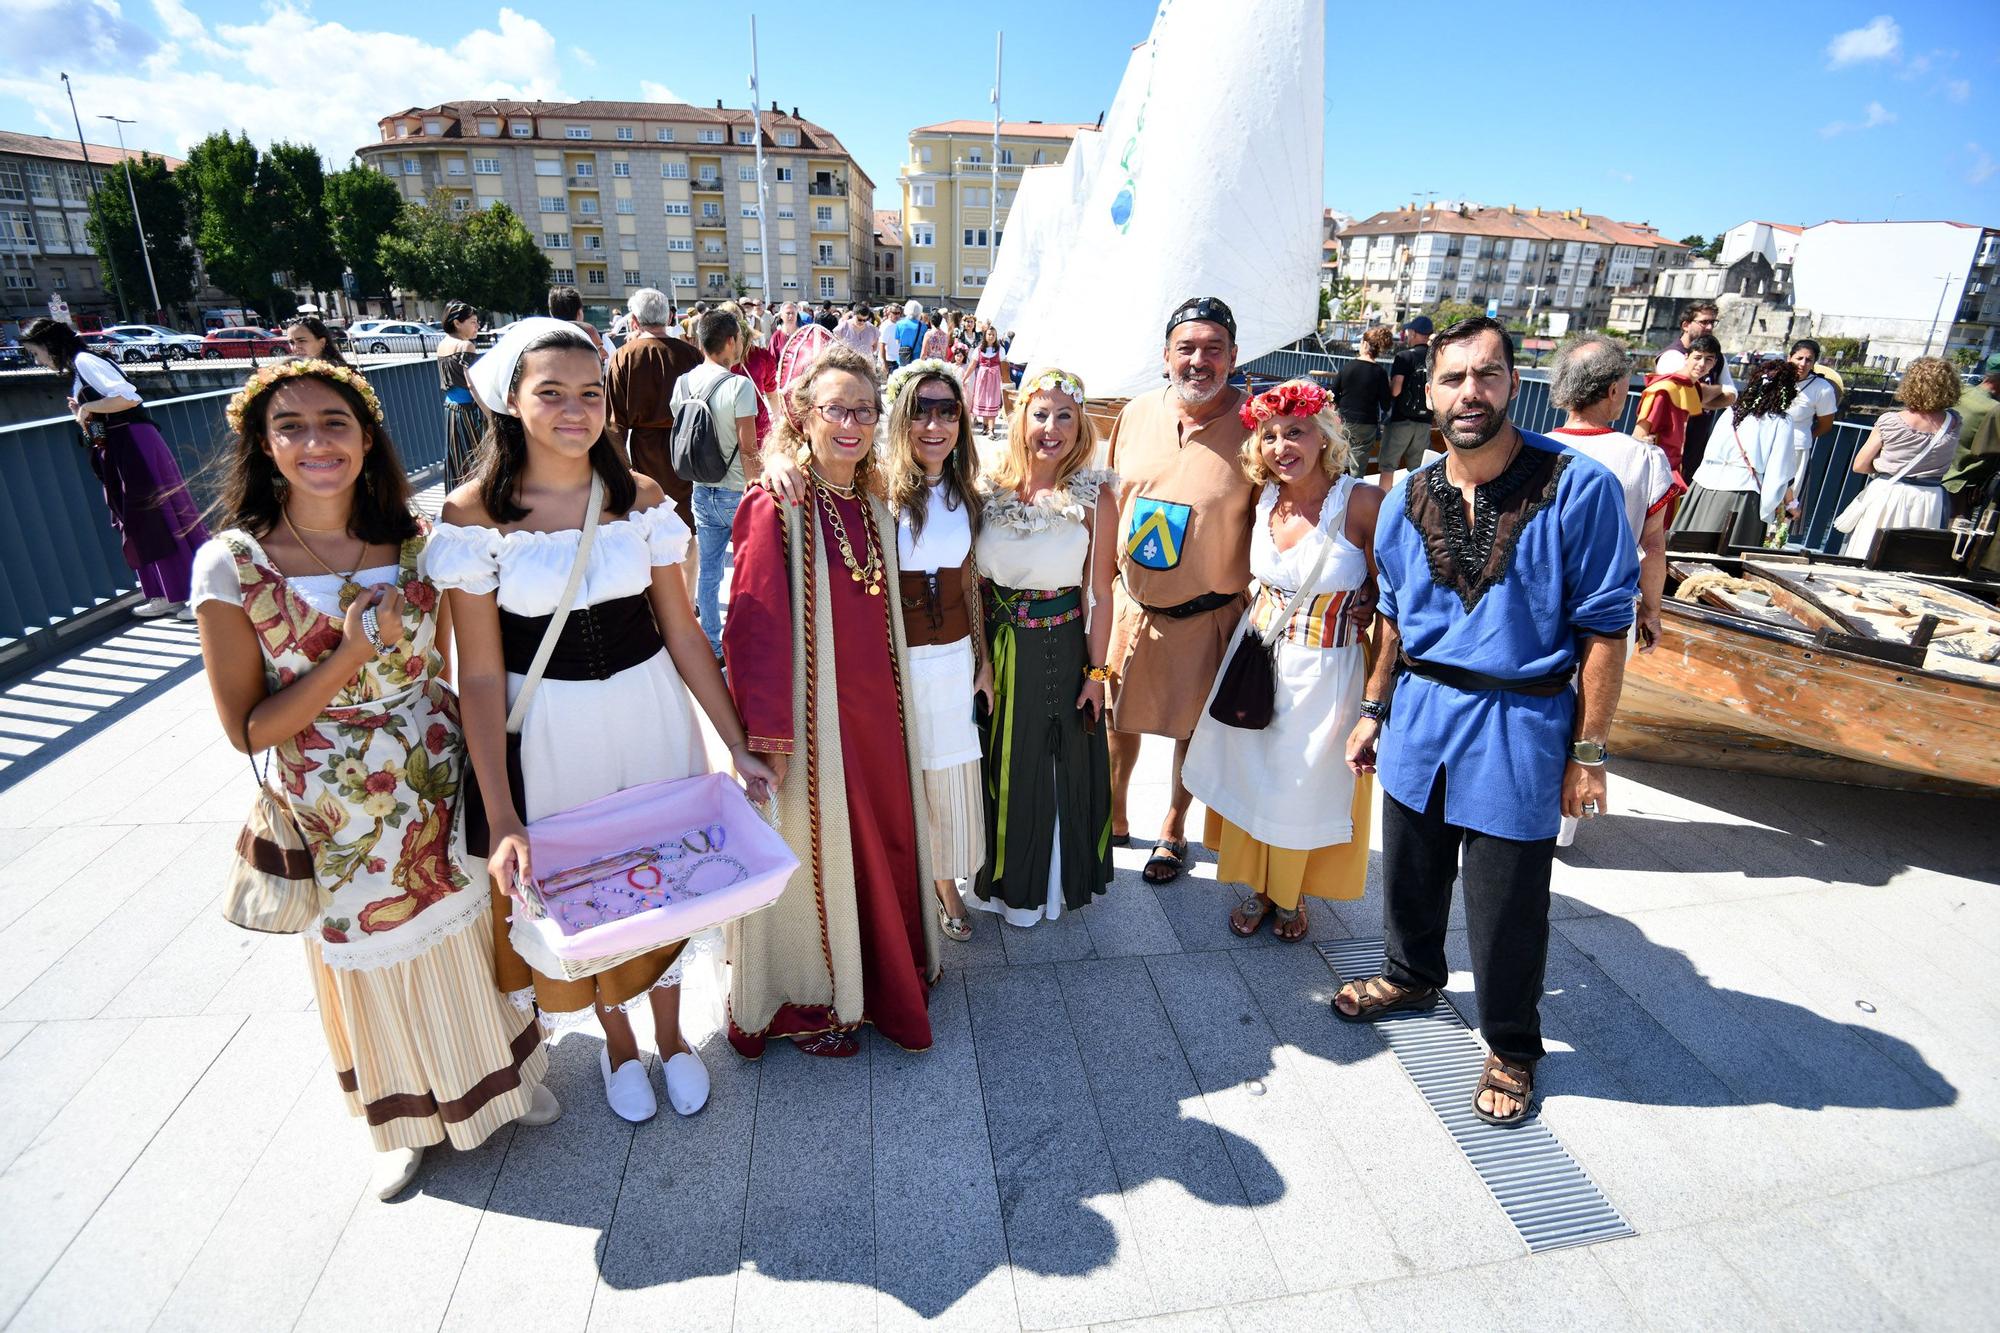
918	370
1052	378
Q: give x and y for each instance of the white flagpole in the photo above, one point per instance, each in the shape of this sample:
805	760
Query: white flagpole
993	213
763	189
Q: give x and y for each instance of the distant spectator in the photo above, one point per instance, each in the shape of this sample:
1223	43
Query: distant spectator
1745	482
732	404
909	333
639	395
464	423
567	303
936	343
885	341
1673	399
1718	390
1817	402
1361	393
1409	432
826	318
1906	455
855	330
1969	469
310	340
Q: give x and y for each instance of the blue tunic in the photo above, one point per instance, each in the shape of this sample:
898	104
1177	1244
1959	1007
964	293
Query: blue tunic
1573	570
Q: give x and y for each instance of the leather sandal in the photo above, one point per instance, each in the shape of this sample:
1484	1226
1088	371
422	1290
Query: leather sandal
1169	858
1378	996
1290	925
828	1045
1509	1079
1248	918
954	927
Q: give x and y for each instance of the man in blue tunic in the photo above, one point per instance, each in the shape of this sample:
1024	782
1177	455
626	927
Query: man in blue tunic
1508	579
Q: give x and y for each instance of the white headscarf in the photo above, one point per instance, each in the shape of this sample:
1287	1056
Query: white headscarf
492	375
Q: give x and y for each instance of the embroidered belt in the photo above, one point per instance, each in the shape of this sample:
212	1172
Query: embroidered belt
1459	678
1208	601
1034	608
1319	621
934	606
597	641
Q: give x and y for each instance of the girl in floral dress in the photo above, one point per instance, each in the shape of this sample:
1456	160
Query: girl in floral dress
988	366
322	643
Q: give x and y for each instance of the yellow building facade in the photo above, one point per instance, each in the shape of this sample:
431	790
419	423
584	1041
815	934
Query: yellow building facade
952	221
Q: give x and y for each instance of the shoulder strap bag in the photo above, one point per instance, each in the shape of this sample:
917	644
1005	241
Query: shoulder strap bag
1246	694
1849	518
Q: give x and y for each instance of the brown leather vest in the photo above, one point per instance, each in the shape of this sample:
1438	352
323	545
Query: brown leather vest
934	608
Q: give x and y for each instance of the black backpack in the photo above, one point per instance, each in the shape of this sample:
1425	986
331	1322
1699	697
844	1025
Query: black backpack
696	450
1412	405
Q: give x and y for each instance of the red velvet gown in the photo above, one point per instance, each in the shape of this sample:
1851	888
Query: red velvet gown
758	650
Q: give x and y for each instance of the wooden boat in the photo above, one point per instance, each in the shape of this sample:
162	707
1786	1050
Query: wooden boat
1779	665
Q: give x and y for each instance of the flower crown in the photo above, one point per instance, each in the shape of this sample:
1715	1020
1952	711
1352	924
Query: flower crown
1054	378
916	370
1293	398
305	368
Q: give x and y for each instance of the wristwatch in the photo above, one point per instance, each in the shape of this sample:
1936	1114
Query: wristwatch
1588	753
1097	673
1375	710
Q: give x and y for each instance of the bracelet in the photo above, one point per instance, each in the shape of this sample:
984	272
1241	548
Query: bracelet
1098	673
373	629
1375	710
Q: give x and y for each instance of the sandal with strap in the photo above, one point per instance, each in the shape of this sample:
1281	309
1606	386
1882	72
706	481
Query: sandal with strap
1170	855
1378	996
1509	1080
1291	924
1248	918
954	927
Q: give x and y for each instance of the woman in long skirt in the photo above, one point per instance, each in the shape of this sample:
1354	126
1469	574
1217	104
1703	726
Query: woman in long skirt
463	424
325	645
1045	555
1745	479
1906	455
988	366
157	525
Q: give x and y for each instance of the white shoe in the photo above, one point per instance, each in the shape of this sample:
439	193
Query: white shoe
686	1078
628	1089
152	608
186	613
543	1109
394	1170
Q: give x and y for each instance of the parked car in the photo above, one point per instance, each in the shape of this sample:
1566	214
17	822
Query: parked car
119	347
237	342
158	339
13	356
394	336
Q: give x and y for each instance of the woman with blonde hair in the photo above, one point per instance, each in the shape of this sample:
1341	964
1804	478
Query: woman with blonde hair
1045	552
819	666
1906	454
1287	818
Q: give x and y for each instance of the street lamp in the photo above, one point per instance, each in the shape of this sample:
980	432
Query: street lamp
137	221
1410	266
1944	291
90	184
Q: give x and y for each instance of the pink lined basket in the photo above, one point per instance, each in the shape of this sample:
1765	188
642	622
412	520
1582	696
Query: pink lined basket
649	815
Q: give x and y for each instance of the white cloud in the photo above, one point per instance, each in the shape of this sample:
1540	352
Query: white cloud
1958	90
657	92
1872	116
583	57
254	76
1984	168
1878	39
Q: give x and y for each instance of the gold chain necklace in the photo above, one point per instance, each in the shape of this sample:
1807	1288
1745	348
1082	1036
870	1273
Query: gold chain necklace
869	570
349	589
846	492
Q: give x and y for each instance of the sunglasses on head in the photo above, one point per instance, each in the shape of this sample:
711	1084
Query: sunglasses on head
944	409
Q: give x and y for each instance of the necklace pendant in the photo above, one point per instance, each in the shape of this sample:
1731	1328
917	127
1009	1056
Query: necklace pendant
349	590
874	590
856	575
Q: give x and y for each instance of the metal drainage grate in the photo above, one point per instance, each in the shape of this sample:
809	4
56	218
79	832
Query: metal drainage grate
1550	1199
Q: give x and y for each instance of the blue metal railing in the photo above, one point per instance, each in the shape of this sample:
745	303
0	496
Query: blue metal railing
59	555
1831	457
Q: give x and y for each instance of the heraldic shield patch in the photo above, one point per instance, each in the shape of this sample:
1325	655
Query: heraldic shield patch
1159	527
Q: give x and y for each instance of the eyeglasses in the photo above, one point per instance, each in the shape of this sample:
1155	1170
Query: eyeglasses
944	409
837	415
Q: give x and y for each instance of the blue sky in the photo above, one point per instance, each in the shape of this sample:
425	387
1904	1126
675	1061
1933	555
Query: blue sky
1682	115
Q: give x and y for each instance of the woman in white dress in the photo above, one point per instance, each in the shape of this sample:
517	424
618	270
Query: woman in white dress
1744	482
1287	818
931	469
612	710
1906	454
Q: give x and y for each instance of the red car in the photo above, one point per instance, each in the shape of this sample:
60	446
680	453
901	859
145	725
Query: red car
243	342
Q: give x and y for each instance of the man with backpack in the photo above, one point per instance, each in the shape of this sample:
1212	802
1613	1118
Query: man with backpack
909	333
715	447
1409	432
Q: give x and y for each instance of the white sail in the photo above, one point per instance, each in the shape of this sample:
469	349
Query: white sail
1039	205
1044	251
1209	183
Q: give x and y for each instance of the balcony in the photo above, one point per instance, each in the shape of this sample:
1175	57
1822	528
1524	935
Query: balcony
710	184
583	182
828	189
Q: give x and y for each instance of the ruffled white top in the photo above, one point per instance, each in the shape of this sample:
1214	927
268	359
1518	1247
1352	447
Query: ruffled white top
582	739
1041	544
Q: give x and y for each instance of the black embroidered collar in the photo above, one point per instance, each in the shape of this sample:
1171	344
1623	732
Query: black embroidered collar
1469	558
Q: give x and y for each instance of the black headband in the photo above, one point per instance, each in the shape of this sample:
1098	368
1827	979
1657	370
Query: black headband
1209	309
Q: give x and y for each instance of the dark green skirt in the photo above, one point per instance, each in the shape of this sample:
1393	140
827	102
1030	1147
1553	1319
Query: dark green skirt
1047	777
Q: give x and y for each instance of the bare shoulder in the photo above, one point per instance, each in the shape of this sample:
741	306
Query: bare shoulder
1366	498
649	495
464	508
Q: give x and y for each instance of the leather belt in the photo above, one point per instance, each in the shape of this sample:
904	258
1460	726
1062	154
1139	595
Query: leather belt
1460	678
597	641
1208	601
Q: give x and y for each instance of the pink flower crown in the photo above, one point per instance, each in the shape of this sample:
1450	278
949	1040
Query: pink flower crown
1293	398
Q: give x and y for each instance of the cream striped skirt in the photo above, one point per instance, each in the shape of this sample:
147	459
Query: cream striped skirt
955	820
429	1050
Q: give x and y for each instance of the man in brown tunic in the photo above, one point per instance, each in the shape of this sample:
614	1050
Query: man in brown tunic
638	388
1184	512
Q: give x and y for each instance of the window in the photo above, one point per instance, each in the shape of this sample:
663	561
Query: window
10	184
711	210
747	138
788	138
753	247
593	241
625	206
972	277
57	280
461	203
594	275
433	127
555	240
825	254
786	214
749	210
975	196
1006	157
923	234
1040	157
788	247
679	243
746	173
923	275
552	205
823	214
562	277
628	242
522	129
625	133
711	247
586	204
709	178
826	287
784	175
412	167
486	166
576	131
621	168
54	235
790	284
489	128
631	277
675	210
923	194
683	279
924	153
547	166
973	158
586	170
665	134
455	167
673	171
975	236
709	136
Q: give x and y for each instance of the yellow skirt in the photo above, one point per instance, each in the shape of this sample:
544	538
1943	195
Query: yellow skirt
1285	875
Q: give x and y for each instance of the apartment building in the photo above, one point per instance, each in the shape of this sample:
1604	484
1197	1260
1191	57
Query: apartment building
952	218
888	275
649	194
1519	263
1906	289
45	188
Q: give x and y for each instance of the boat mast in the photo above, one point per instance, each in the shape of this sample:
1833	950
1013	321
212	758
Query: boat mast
993	213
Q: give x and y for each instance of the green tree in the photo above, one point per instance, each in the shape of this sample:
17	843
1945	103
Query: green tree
231	217
1840	351
292	181
425	251
116	239
505	269
1965	358
362	206
1447	313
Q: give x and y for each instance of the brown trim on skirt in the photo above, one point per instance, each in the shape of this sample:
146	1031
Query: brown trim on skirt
422	1105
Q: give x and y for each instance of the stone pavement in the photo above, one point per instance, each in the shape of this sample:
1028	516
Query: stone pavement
1769	1004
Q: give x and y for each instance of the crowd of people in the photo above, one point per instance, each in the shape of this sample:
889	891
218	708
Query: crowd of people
938	660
